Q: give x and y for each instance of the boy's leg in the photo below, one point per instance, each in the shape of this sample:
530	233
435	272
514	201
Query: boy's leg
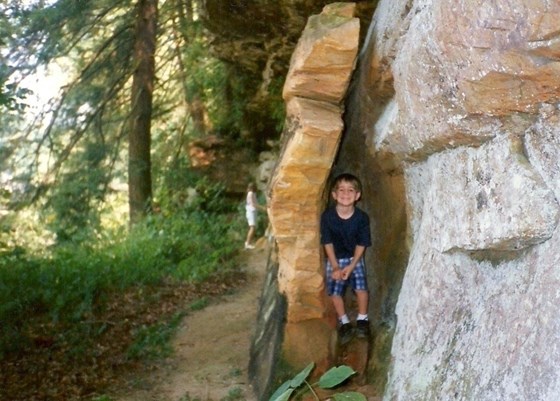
338	303
359	284
345	330
335	290
362	323
362	297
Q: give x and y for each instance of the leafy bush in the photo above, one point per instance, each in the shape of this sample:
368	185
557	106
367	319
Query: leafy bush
70	283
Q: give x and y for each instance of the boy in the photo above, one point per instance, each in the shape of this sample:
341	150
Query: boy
345	235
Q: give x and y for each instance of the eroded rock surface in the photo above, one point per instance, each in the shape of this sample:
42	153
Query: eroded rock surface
452	123
319	75
257	38
461	99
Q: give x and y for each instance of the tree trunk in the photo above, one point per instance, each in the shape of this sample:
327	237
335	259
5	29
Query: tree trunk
139	140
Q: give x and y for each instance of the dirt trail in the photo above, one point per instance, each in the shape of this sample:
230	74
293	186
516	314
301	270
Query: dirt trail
211	347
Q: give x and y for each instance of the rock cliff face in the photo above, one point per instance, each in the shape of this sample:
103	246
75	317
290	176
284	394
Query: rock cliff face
315	88
452	122
457	105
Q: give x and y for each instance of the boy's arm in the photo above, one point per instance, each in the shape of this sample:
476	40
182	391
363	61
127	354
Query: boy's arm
329	250
358	253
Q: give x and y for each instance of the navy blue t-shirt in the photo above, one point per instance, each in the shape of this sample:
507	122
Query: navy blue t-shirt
345	234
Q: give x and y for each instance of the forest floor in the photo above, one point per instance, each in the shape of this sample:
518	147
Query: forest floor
211	348
208	360
209	355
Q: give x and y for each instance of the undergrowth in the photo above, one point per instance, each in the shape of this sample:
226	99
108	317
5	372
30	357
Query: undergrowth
71	283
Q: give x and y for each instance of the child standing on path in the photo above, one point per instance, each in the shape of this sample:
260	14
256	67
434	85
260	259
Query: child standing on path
345	235
251	206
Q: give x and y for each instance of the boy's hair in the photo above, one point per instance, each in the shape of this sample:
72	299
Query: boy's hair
251	186
347	177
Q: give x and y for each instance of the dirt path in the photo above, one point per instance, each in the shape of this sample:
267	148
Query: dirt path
211	347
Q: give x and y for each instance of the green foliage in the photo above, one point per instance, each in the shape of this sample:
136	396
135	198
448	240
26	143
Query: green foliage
229	112
180	188
330	379
277	105
69	283
86	45
199	304
90	44
12	98
75	200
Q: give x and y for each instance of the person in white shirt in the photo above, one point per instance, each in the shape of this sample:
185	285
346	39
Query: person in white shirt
251	207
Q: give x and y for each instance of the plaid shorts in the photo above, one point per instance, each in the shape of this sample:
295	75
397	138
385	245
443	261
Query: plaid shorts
357	280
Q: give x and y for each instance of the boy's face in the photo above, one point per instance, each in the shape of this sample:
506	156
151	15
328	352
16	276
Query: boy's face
345	194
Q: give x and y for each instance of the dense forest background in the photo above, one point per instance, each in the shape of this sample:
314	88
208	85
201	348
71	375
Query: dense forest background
104	214
136	84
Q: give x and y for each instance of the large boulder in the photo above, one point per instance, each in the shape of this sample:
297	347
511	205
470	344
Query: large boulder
454	115
296	192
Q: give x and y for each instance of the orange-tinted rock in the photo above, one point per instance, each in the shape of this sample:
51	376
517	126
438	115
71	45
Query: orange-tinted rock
316	84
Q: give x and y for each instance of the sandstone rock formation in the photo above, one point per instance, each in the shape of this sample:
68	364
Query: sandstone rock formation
257	39
457	103
315	87
452	122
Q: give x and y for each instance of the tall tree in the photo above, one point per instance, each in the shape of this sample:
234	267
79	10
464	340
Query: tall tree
139	136
110	100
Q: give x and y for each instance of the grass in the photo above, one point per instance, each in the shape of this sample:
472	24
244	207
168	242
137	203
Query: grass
72	283
199	304
80	313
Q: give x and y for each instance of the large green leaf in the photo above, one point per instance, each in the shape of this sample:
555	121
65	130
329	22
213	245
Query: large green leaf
281	390
350	396
301	376
285	396
284	392
333	377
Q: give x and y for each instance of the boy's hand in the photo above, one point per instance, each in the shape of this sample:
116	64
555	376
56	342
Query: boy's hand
345	273
337	274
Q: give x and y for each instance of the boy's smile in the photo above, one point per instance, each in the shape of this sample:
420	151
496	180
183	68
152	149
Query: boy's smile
345	194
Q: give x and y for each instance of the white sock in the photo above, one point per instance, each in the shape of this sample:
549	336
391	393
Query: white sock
344	319
362	317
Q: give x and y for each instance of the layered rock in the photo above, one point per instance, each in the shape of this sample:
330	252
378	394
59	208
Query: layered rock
257	39
460	99
453	126
315	87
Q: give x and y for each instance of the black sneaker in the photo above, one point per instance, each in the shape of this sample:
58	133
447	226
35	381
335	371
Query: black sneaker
362	328
345	333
